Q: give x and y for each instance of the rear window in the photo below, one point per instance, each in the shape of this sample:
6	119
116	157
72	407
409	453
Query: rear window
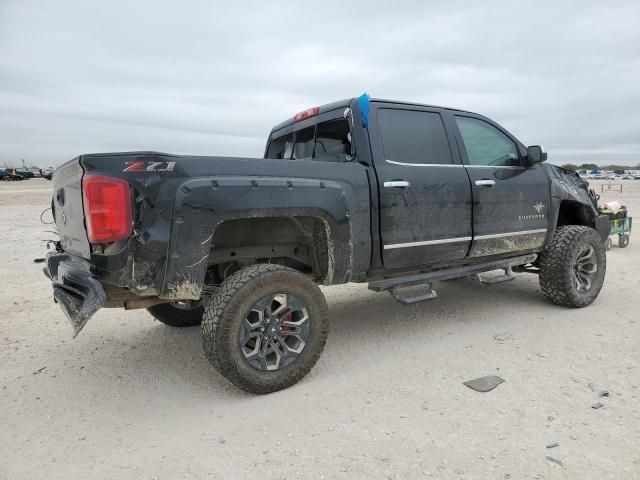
281	147
411	136
333	140
327	141
303	143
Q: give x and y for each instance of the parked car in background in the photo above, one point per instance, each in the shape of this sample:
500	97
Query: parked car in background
47	173
24	173
10	174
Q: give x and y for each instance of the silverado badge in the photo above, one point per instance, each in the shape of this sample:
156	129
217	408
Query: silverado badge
538	207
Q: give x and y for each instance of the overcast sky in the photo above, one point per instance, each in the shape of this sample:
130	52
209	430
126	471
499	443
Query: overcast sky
211	78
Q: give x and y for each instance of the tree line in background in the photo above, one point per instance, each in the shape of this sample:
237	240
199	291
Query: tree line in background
593	166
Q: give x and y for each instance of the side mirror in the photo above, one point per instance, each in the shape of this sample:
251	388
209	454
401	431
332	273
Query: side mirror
536	154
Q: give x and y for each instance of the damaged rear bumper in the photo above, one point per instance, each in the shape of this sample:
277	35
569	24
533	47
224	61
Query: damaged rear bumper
75	288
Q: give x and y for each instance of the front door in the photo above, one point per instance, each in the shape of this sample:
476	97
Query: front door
510	200
425	197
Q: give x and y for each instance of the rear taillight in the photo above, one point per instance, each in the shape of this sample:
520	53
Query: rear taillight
107	208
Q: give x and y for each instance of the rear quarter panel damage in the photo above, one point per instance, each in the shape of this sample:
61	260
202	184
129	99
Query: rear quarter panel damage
204	203
177	212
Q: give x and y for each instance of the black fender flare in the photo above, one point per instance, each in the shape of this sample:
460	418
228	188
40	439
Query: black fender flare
567	188
201	204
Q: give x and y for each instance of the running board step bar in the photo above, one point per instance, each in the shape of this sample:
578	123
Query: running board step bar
507	277
399	285
414	294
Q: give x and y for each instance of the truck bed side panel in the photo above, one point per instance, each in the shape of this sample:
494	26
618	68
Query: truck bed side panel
202	204
177	211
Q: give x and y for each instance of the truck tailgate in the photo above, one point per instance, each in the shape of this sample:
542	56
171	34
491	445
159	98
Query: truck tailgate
67	208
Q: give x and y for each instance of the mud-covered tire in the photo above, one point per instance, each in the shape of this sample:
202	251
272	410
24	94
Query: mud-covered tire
178	315
558	266
229	309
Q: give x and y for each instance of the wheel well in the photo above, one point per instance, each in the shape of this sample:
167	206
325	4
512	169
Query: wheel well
575	213
302	243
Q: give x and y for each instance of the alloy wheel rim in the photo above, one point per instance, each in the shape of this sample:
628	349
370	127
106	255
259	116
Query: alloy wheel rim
585	268
275	332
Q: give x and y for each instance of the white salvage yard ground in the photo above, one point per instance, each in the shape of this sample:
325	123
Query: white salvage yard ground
131	398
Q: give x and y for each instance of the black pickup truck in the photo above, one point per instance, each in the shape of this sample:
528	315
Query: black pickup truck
399	195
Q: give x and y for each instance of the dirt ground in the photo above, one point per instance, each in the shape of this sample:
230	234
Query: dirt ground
133	399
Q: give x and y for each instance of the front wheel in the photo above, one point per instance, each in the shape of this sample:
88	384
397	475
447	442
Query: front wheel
572	269
265	328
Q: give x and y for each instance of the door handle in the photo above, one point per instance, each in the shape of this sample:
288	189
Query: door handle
485	183
396	184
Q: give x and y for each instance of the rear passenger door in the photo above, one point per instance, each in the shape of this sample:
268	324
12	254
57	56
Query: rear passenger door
425	196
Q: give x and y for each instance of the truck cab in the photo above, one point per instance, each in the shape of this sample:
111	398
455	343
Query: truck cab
448	186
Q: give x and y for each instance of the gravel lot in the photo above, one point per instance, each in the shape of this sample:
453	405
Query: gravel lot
132	398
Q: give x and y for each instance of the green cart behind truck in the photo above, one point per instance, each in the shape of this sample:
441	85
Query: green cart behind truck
622	228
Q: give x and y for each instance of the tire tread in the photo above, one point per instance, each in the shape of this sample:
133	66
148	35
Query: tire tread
555	278
215	314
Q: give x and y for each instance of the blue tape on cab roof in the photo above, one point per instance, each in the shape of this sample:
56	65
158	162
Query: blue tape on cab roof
363	105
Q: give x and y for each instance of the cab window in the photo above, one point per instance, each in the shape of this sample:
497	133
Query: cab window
486	145
412	136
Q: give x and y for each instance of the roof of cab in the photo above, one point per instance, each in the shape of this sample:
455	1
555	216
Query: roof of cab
400	102
322	109
347	102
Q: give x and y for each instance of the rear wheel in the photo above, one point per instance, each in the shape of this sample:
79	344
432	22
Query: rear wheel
572	269
265	328
179	314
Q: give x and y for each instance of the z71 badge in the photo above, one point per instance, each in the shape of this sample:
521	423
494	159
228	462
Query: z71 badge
149	167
